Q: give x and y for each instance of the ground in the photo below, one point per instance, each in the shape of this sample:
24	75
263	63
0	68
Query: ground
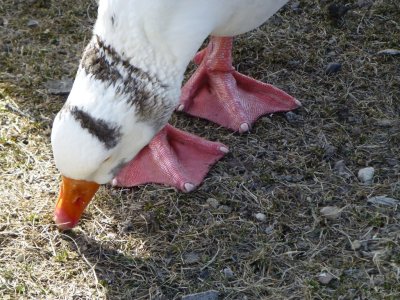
153	242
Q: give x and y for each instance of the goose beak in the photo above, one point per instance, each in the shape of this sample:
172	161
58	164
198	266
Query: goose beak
74	196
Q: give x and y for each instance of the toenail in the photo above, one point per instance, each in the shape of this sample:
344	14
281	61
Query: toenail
189	187
244	127
114	182
224	149
180	107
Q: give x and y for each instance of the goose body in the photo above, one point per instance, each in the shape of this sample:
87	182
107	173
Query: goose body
162	36
129	82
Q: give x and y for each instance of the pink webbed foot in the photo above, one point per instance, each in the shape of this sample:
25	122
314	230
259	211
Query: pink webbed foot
173	157
218	93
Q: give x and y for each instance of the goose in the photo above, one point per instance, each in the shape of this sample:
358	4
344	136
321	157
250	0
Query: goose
114	125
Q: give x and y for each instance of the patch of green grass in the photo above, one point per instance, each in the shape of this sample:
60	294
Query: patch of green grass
62	256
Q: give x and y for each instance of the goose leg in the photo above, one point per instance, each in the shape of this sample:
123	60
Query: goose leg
218	93
173	157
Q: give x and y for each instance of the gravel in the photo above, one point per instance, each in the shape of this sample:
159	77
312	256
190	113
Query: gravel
366	175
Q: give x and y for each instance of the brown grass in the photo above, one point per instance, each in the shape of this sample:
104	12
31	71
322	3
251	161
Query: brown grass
152	242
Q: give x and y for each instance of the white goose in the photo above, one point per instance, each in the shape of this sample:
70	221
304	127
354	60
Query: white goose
129	83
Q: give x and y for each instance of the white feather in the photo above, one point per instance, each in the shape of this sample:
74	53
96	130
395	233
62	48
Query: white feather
160	37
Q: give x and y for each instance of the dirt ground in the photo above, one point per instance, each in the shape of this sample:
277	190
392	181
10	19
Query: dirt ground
152	242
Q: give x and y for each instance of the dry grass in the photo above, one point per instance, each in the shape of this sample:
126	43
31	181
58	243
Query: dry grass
155	243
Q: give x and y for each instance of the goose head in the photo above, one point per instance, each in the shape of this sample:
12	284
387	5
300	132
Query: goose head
112	112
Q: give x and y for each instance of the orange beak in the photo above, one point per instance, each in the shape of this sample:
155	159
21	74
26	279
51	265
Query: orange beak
74	196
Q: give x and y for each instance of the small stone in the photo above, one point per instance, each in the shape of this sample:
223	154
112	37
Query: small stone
392	162
378	280
365	3
290	178
204	274
330	212
260	217
333	68
275	20
212	202
332	40
127	226
20	258
355	245
225	209
228	272
3	21
208	295
269	229
32	23
392	52
341	169
337	11
111	235
296	6
6	47
354	273
385	123
292	118
59	87
330	151
167	260
383	200
331	53
366	175
191	258
325	278
356	131
294	63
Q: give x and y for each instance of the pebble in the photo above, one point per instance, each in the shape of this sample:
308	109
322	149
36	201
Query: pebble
383	200
337	11
341	169
355	245
212	202
296	6
325	278
260	217
208	295
333	68
354	273
204	274
59	87
385	123
292	118
330	212
275	20
330	151
111	235
269	229
191	257
228	272
294	63
389	52
365	3
378	280
32	23
3	21
6	47
366	175
20	258
225	209
127	226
